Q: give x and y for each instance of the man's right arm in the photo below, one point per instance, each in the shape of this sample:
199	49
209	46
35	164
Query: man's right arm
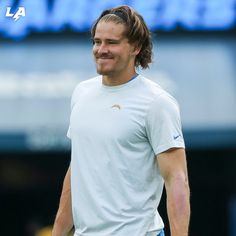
64	221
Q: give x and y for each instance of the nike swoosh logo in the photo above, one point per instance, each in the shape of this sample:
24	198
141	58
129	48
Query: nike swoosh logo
175	137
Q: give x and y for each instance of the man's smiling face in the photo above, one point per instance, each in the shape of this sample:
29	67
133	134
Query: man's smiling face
112	52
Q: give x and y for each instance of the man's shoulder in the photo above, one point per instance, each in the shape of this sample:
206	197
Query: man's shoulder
84	87
89	82
157	94
151	87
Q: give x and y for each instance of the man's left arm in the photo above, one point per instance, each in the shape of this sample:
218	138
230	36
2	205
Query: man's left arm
173	168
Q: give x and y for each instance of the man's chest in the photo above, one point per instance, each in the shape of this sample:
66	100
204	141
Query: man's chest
109	117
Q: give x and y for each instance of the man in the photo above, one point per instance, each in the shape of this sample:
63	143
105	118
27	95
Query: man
126	141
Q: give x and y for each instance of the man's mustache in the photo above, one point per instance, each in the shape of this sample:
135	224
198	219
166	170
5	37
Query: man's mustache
104	56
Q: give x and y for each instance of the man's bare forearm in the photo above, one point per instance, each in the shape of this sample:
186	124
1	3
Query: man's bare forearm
178	205
173	168
64	221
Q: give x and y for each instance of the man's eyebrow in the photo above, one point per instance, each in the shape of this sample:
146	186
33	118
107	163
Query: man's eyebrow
109	39
95	38
114	40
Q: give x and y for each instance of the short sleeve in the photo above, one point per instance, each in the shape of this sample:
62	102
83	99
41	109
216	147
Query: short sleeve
74	98
163	124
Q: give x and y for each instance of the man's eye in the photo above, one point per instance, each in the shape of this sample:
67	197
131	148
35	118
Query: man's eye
96	42
113	42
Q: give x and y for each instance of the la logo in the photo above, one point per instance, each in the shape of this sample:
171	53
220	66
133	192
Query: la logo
20	12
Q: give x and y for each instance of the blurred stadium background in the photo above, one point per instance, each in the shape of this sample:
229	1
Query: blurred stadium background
45	53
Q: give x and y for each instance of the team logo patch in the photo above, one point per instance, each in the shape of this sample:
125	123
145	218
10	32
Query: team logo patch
116	106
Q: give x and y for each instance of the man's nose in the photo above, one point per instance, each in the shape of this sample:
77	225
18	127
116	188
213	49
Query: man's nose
102	48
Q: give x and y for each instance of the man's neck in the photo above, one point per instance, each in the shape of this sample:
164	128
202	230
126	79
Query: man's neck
114	80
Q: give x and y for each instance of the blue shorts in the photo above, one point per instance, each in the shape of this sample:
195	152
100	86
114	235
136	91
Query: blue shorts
161	233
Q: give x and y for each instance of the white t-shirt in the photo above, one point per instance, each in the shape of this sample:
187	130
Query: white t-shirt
116	131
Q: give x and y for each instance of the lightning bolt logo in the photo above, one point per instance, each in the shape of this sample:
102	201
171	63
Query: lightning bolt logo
116	106
16	17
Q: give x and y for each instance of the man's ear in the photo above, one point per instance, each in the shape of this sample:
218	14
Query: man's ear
136	51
